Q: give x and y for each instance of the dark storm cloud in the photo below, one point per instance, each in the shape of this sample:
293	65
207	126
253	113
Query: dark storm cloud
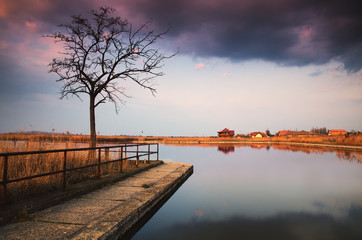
298	32
22	25
288	32
49	13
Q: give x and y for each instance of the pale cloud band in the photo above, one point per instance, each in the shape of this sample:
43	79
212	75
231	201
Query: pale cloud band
199	66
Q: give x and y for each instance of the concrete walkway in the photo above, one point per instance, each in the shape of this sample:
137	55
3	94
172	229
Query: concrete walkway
107	213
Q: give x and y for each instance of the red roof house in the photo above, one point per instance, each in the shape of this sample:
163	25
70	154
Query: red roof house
226	133
257	135
283	133
335	132
293	133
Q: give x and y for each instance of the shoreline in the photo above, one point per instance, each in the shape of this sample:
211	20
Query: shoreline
344	142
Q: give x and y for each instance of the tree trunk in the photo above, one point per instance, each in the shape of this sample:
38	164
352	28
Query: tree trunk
92	115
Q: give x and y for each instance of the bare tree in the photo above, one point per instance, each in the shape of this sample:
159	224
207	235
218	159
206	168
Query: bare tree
100	52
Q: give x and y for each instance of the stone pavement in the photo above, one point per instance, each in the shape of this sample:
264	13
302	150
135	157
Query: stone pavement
107	213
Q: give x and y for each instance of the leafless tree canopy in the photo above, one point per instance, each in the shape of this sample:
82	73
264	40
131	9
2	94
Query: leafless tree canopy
103	49
100	52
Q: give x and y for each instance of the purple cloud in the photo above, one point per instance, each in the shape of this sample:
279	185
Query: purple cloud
297	33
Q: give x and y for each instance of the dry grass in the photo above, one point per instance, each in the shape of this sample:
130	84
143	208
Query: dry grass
353	140
48	139
26	165
43	138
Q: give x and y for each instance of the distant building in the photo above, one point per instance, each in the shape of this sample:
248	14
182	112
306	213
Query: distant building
226	133
283	133
298	133
257	135
293	133
336	132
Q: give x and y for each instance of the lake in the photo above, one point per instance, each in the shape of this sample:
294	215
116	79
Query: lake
262	192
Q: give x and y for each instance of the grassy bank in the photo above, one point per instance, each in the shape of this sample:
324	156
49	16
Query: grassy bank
352	140
27	165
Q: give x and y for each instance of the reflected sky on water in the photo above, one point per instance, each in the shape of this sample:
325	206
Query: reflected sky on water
261	192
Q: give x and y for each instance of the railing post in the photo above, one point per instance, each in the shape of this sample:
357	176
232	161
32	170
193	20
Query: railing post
65	170
99	163
5	178
125	150
149	153
121	159
137	158
157	151
106	154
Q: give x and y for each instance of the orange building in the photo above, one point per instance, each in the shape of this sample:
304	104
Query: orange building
257	135
226	133
283	133
335	132
293	133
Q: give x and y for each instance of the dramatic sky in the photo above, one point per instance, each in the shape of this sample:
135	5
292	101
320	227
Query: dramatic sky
249	65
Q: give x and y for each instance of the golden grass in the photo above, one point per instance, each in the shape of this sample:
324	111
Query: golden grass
48	141
64	138
27	165
352	140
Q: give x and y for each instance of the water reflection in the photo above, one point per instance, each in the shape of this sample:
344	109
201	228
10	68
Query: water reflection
262	192
282	226
343	154
226	149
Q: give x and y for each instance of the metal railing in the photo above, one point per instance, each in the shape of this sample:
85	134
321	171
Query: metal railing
136	149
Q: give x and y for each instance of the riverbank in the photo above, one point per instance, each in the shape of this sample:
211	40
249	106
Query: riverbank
354	140
330	141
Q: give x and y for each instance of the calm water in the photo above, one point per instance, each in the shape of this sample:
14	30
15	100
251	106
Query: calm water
243	192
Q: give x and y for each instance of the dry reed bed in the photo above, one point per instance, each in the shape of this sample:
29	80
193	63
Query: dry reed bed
26	165
353	140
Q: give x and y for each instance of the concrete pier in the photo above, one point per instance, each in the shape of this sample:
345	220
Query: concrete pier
113	212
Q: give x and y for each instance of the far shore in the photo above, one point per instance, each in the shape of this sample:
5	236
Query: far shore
348	141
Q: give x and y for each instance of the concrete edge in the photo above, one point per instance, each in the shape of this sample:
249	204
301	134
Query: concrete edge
137	218
9	213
